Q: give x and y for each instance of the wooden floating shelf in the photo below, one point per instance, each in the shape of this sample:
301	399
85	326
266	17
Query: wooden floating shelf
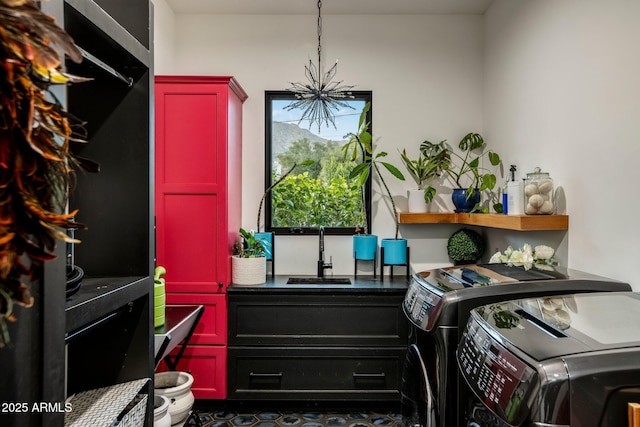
507	222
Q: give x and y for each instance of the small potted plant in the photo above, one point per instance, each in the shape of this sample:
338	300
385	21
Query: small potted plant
465	246
249	262
430	164
360	144
470	178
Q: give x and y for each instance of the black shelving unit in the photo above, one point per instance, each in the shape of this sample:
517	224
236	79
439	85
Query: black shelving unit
103	334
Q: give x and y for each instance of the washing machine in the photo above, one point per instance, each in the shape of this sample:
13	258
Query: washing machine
438	303
560	361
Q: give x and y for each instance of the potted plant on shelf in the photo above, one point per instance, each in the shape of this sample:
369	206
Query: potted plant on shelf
249	262
430	164
360	145
470	178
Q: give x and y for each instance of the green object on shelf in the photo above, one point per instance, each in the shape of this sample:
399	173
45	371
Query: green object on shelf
465	246
159	302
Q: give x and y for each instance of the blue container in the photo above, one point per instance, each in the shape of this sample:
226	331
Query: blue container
395	251
268	239
460	201
365	246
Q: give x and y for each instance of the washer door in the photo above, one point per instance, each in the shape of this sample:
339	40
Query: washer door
418	406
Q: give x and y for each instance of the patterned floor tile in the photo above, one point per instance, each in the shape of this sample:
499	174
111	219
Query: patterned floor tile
296	419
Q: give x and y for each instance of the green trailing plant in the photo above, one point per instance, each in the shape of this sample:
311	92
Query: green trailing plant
465	168
250	246
360	146
432	162
465	246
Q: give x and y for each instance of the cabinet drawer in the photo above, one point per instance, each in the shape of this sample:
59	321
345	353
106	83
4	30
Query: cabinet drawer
323	320
212	327
315	373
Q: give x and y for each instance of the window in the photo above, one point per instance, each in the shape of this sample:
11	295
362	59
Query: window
320	194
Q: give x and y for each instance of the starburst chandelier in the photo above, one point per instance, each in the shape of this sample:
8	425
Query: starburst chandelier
320	96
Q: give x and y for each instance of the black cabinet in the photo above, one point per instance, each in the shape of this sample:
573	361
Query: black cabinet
304	345
103	334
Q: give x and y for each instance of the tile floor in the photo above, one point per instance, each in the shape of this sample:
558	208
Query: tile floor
303	418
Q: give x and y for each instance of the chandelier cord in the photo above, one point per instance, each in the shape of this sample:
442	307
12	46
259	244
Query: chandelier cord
319	34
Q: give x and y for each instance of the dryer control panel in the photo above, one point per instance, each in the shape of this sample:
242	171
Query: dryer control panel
499	379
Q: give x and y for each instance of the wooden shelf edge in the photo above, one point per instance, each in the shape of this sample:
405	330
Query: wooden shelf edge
427	218
506	222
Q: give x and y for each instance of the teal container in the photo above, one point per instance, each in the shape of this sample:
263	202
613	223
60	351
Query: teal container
268	239
395	251
365	246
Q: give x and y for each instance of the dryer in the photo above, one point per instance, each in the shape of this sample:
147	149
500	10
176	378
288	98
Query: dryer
438	303
562	361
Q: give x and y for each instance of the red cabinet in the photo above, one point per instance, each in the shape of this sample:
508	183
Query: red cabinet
198	181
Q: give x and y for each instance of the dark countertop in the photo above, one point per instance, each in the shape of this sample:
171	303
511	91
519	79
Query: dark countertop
397	283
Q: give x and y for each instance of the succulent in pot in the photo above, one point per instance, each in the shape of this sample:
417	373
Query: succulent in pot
249	262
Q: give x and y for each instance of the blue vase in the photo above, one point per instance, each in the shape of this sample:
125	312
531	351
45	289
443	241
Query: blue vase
268	239
395	251
460	201
365	246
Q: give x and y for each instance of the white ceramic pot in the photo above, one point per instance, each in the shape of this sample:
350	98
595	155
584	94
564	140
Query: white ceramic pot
176	386
248	271
416	201
161	416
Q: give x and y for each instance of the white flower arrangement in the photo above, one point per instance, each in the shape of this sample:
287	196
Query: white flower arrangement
541	256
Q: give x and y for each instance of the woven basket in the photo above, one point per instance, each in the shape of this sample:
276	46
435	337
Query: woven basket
248	271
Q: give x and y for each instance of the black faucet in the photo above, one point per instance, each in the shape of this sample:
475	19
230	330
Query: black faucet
321	264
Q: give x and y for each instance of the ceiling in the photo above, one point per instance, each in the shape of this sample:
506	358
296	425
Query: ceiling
330	7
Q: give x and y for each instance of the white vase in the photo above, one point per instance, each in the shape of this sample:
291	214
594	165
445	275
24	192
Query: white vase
416	201
248	271
175	386
161	416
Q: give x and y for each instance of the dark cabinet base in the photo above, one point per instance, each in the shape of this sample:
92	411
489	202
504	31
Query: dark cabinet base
308	345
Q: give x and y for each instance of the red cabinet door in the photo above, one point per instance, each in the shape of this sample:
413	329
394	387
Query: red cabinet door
212	327
198	180
208	366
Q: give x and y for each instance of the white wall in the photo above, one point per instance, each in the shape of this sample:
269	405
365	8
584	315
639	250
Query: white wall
561	91
548	83
425	73
164	37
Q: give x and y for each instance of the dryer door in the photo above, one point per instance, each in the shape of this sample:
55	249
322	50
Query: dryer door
418	406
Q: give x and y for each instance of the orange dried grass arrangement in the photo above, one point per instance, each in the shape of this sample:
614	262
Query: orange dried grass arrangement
36	163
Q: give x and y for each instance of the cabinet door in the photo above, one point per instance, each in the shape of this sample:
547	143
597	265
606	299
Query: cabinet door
190	170
212	327
208	366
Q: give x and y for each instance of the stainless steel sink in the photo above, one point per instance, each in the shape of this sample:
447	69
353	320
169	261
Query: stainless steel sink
318	281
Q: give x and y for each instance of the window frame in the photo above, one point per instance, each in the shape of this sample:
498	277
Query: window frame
278	95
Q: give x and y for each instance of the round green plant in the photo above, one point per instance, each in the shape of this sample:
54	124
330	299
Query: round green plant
465	246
